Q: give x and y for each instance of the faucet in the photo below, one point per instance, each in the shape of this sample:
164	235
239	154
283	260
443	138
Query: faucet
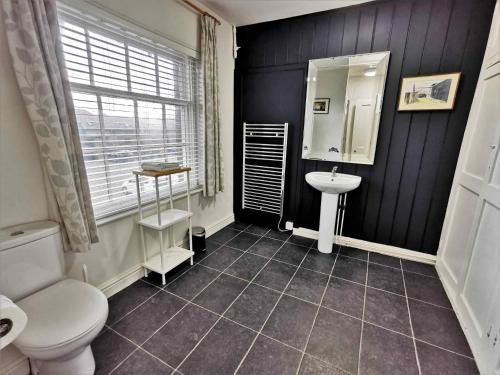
334	171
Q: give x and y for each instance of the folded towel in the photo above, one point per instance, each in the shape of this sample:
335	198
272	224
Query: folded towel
159	166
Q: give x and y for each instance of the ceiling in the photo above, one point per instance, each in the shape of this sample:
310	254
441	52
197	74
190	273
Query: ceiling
246	12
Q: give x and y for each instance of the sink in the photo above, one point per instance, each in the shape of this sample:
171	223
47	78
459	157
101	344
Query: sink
330	187
341	183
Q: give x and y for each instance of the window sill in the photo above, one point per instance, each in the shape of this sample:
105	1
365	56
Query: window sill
135	210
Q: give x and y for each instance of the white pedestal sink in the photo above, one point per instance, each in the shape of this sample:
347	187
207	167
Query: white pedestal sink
330	185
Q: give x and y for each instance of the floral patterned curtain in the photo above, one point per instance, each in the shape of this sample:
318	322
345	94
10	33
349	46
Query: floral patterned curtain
214	171
36	51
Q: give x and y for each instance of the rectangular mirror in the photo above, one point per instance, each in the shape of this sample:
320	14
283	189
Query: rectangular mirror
343	107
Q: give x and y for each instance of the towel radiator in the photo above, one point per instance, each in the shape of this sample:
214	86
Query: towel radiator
264	164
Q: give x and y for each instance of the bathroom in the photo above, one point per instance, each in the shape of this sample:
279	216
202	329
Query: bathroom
369	247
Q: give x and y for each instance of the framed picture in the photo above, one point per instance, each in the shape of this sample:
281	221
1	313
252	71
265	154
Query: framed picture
321	105
428	93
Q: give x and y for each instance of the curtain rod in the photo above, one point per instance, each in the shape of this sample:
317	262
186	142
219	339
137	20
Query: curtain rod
200	11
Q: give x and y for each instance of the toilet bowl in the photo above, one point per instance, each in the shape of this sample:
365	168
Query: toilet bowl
64	315
63	319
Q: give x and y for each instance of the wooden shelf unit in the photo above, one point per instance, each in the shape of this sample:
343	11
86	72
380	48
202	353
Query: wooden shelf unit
169	258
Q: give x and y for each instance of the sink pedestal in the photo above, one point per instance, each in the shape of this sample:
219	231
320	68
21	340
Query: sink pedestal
327	221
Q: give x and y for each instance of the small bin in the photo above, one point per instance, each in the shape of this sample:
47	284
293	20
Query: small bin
199	245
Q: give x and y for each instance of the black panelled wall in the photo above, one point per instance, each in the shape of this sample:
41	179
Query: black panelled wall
402	198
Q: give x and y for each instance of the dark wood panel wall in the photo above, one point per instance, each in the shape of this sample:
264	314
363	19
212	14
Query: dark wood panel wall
403	196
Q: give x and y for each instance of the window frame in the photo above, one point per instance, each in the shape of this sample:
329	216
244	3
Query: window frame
123	206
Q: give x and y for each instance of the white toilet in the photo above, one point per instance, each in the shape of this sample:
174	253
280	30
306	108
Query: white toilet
64	315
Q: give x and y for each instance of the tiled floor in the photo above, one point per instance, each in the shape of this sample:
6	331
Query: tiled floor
263	302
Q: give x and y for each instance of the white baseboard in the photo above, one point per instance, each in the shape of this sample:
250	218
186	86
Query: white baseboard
372	246
219	225
13	362
122	280
304	232
130	276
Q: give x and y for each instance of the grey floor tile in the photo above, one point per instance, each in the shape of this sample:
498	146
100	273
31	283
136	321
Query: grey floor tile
299	240
109	350
243	241
335	247
210	247
386	278
155	278
312	366
417	267
353	253
291	253
291	321
253	306
257	230
140	363
128	299
319	262
385	260
335	339
275	275
270	357
438	326
222	258
425	288
278	235
238	225
384	352
308	285
387	310
219	295
266	247
224	235
438	361
173	342
345	296
247	266
221	350
350	269
147	318
192	282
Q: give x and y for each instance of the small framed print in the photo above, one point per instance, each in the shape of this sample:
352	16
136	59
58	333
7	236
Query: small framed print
428	93
321	105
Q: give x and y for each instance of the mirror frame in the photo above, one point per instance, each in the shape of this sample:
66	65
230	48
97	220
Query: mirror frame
378	103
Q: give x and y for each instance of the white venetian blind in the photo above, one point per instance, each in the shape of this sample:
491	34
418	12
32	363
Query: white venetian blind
135	101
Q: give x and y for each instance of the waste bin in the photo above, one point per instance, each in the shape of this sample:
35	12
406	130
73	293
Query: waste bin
198	239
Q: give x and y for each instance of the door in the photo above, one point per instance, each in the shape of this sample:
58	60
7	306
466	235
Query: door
362	130
469	254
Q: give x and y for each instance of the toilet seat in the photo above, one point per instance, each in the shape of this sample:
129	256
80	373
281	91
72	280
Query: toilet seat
61	318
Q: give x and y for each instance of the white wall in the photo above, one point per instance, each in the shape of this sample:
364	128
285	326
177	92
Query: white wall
328	127
22	194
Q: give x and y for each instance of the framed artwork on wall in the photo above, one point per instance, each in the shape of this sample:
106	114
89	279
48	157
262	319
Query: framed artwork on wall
428	93
321	105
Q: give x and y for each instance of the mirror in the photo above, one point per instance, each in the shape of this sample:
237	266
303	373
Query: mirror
343	107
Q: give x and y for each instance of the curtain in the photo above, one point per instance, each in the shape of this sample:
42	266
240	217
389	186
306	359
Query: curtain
34	43
214	171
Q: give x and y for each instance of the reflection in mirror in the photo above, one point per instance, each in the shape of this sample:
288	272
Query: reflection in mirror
343	107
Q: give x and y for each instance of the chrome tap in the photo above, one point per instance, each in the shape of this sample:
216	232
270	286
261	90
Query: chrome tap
334	171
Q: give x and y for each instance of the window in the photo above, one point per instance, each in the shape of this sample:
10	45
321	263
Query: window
135	101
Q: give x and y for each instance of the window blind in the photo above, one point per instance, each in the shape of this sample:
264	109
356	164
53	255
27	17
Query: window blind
135	101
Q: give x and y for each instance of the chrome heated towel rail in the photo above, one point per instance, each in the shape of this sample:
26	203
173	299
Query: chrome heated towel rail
264	164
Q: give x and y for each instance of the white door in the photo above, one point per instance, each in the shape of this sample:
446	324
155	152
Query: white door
362	130
469	254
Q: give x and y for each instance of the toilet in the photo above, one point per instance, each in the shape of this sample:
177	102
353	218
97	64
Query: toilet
64	315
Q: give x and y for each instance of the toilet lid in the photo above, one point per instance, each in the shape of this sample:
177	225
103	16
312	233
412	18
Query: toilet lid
61	313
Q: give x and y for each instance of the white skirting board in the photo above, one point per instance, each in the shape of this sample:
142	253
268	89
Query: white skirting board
372	246
123	280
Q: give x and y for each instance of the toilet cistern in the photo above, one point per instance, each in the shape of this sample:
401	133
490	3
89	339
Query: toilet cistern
331	185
